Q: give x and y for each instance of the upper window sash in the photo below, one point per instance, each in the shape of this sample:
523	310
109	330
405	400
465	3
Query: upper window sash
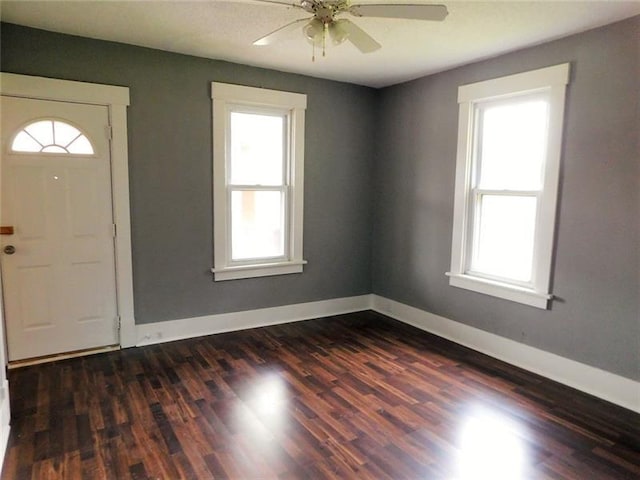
281	113
496	144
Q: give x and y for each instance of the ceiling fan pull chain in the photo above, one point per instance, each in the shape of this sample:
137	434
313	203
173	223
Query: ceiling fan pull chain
313	51
324	39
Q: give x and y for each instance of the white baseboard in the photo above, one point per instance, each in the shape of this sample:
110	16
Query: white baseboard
608	386
5	419
160	332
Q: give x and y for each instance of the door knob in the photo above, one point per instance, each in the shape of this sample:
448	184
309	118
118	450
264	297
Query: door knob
9	249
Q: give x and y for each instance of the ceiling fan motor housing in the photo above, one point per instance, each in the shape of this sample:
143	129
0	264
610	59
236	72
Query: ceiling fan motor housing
325	11
325	14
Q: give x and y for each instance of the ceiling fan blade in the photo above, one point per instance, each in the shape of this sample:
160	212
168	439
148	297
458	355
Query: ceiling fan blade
284	3
279	33
306	5
361	39
409	11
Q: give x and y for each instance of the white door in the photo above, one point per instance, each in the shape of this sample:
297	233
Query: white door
58	266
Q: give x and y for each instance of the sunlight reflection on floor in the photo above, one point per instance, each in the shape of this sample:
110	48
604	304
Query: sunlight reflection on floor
491	446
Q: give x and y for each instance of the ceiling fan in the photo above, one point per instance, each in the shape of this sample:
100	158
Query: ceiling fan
325	22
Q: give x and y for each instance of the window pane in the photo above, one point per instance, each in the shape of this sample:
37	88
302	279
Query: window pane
64	133
503	245
257	224
25	143
51	137
257	149
81	145
42	131
513	142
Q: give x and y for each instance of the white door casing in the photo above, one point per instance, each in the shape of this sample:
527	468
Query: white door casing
114	101
60	282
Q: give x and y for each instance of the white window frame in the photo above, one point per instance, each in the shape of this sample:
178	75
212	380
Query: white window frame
227	98
551	82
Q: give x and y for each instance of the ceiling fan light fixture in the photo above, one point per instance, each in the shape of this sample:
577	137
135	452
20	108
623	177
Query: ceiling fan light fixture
338	32
313	31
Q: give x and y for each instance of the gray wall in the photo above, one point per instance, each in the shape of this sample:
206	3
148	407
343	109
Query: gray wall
402	199
170	159
595	319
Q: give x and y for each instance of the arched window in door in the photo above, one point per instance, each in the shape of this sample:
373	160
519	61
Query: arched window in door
51	136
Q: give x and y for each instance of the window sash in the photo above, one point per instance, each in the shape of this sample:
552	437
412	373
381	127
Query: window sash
285	114
473	239
476	193
286	227
479	108
284	188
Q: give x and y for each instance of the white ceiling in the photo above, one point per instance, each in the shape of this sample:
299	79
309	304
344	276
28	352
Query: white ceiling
410	48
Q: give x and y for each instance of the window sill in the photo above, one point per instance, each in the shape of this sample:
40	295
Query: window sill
261	270
501	290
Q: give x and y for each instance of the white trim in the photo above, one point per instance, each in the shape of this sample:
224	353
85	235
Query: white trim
501	290
5	399
261	270
550	82
61	356
594	381
160	332
62	90
557	75
257	96
5	420
226	98
117	100
122	218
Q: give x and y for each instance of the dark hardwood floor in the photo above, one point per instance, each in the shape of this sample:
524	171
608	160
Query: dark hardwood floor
355	396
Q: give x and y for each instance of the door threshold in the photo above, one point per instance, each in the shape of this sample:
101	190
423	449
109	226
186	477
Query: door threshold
61	356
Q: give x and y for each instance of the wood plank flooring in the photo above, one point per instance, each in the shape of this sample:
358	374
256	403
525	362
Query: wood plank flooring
355	396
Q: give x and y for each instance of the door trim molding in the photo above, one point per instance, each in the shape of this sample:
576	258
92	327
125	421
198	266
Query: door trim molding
116	99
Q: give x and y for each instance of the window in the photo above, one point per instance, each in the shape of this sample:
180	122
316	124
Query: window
51	136
509	142
258	162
